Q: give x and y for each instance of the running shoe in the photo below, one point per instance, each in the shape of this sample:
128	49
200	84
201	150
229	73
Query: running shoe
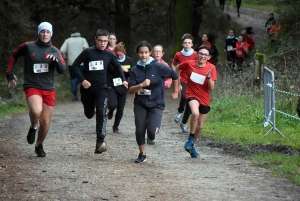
177	117
141	158
184	128
40	151
194	153
31	135
150	142
189	143
116	130
100	147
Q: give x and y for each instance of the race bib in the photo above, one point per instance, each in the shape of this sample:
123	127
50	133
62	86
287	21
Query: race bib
41	68
229	47
117	81
239	52
96	65
197	78
146	92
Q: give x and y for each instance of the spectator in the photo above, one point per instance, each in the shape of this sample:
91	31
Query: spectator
70	50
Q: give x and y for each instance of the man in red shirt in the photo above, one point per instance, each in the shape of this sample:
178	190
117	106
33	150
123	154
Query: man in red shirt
201	76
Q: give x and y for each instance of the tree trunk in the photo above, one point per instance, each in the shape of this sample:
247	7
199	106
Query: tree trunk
123	23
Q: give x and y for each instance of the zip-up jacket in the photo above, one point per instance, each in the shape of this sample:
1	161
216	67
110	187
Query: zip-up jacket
89	57
38	69
155	72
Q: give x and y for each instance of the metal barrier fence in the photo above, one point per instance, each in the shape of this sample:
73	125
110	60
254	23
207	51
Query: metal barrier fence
269	101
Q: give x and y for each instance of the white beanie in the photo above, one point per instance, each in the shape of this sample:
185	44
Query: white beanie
45	25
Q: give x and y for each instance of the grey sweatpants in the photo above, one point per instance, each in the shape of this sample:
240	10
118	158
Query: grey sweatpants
146	119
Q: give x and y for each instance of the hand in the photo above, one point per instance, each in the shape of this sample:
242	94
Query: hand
209	72
168	83
50	56
125	84
86	84
12	82
242	44
174	95
146	83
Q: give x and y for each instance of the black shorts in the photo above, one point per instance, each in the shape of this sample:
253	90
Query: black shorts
202	109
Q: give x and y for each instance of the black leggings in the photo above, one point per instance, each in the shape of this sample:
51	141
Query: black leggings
182	102
146	119
96	97
116	101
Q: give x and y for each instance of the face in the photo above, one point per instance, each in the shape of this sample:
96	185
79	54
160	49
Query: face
119	55
231	32
243	31
101	42
187	44
157	53
204	38
112	40
240	39
144	54
45	36
203	56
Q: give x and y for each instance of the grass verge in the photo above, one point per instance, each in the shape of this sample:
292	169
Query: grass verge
238	119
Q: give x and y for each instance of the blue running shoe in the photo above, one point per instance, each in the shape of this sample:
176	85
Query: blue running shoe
141	158
189	144
184	128
177	117
194	153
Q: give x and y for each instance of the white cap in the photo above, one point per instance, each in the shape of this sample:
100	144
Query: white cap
45	25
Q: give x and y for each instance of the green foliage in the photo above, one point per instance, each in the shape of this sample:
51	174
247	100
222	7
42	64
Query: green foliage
239	118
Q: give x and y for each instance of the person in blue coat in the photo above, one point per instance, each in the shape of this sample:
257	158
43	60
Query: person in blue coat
147	83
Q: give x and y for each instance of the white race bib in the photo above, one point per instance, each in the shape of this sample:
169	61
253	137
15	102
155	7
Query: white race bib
117	81
146	92
239	52
197	78
41	68
96	65
229	47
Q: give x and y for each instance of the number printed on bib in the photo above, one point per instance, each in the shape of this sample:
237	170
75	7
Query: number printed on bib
96	65
117	81
41	68
195	77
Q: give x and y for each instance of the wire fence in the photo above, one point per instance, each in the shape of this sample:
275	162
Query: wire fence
269	102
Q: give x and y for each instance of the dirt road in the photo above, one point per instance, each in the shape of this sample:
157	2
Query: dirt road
71	171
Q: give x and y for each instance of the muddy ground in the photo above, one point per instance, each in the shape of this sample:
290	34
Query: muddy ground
71	171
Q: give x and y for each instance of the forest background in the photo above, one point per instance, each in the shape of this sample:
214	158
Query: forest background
237	100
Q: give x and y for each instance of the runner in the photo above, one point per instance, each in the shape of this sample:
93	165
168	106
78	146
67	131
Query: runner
112	42
201	78
147	83
248	32
157	54
187	53
238	6
241	50
94	90
230	43
41	60
117	92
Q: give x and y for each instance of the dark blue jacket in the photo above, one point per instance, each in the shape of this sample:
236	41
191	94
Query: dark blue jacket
156	73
